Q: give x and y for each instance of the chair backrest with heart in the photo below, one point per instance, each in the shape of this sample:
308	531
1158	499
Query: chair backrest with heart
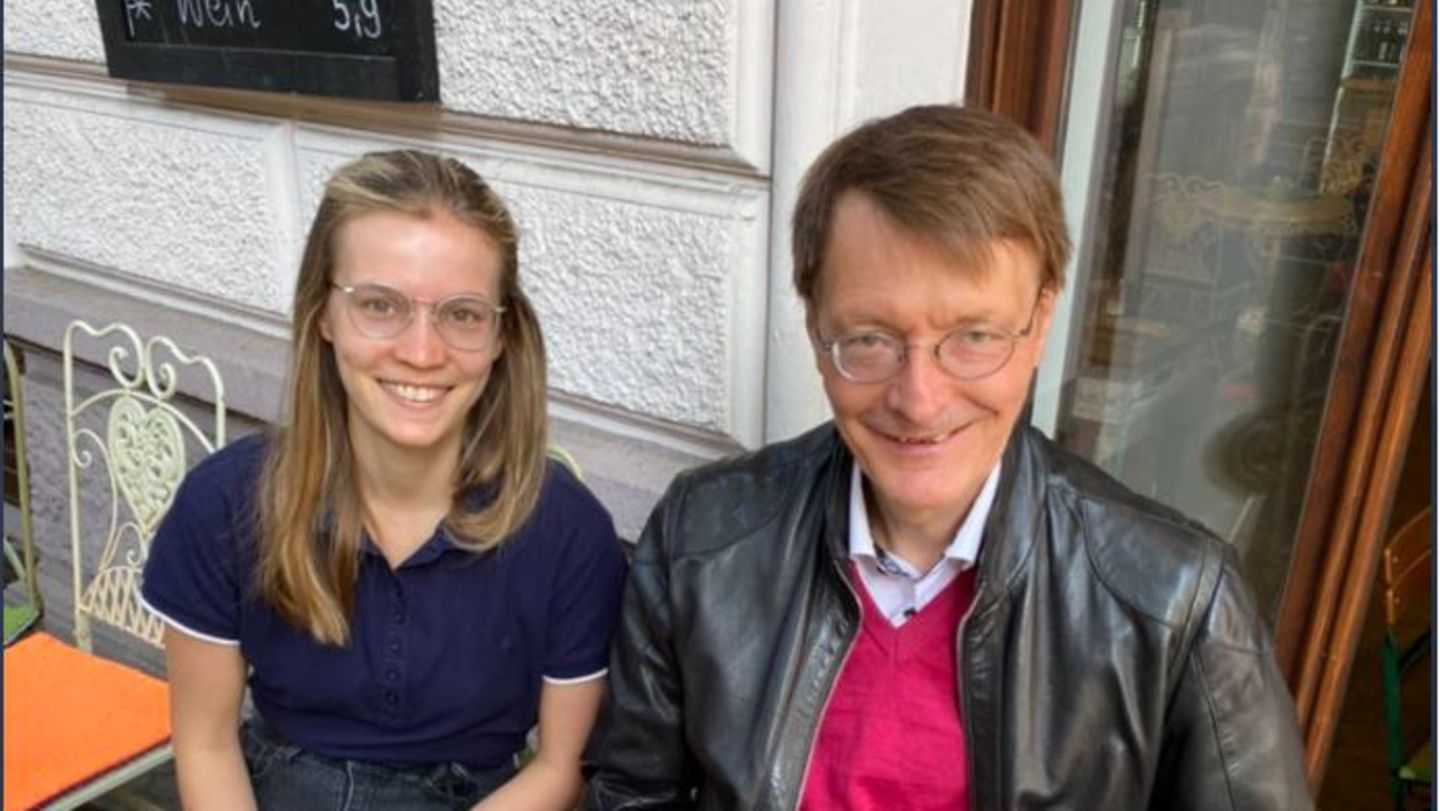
129	443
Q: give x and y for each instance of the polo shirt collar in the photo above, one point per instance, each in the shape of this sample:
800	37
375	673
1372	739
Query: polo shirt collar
474	499
434	547
963	549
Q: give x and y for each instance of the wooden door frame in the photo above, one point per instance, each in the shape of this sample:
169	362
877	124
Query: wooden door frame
1019	63
1020	56
1380	366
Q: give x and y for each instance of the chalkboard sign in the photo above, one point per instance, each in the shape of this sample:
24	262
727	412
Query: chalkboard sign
375	49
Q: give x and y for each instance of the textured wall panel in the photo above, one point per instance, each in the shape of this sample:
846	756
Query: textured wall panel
658	68
65	29
170	196
633	301
635	296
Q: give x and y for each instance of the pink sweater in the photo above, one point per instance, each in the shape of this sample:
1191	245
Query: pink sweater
891	736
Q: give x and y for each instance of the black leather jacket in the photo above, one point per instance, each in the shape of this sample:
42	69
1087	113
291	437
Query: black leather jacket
1112	659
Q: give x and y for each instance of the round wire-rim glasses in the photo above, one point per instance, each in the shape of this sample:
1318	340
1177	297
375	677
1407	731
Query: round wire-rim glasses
464	321
965	353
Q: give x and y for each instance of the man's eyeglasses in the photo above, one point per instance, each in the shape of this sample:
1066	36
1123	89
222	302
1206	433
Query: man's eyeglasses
967	353
465	322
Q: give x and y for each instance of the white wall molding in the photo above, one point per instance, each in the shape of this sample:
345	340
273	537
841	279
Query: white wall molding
283	192
745	158
752	66
248	344
561	168
263	323
1082	163
808	95
622	425
13	257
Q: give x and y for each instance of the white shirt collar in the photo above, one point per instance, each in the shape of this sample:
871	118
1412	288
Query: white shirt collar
964	549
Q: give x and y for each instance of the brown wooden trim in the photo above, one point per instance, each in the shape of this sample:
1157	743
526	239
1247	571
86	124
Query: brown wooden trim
1019	62
1339	650
983	53
1375	456
1315	537
1342	549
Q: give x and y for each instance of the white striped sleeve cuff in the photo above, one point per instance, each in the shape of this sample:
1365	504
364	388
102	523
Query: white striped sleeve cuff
187	630
578	679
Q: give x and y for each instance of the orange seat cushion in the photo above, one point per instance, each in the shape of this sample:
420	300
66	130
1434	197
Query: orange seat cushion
71	717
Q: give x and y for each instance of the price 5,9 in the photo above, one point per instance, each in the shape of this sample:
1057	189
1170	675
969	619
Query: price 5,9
362	17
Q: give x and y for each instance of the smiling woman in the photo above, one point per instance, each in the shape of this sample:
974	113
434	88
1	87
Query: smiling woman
346	567
410	382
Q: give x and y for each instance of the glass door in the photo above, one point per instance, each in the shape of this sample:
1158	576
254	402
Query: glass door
1227	172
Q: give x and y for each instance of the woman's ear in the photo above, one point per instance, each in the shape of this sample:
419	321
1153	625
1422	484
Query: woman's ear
324	325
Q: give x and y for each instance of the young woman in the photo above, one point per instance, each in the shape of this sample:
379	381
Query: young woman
403	582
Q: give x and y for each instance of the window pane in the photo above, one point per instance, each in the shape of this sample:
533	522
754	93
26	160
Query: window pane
1241	146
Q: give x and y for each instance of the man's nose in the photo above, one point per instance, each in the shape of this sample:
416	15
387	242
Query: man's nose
919	392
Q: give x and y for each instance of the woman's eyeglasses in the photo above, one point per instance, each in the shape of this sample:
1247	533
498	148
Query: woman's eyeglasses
465	322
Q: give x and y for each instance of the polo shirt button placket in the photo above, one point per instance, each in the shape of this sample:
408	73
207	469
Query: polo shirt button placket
392	699
394	664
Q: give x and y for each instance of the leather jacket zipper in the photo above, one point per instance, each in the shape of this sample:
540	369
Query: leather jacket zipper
829	690
961	696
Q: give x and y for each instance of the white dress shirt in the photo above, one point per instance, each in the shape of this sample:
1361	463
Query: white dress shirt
898	589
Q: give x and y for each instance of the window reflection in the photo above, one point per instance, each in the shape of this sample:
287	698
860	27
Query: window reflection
1242	146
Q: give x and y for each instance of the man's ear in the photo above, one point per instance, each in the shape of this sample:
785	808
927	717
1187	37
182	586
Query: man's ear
1044	312
812	331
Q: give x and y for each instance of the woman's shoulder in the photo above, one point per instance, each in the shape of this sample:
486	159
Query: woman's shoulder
562	478
244	452
199	559
564	493
572	530
566	516
225	478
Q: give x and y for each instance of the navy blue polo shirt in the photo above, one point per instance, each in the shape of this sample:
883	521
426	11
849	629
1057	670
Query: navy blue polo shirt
447	652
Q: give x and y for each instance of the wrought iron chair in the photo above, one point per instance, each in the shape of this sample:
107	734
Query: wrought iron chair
1405	574
21	613
78	725
564	457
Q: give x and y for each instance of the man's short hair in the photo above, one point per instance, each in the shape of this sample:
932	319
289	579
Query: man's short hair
961	177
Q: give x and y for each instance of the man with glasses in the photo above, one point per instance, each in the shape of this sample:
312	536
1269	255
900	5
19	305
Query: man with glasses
926	603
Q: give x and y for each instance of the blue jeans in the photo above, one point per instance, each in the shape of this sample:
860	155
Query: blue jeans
286	778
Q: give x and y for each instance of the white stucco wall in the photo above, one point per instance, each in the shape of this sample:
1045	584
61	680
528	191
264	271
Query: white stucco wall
63	29
646	67
173	196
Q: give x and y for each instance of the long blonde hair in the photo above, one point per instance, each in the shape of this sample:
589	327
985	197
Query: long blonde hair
308	504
